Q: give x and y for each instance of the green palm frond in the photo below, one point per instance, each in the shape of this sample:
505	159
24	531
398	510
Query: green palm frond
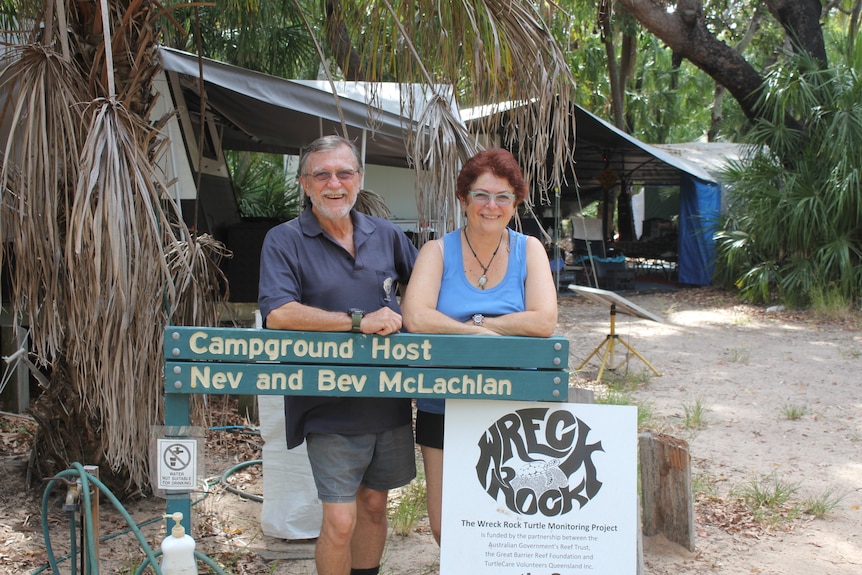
797	199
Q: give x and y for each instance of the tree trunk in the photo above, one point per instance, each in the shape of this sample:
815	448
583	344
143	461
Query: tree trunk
801	20
66	433
341	44
617	83
685	32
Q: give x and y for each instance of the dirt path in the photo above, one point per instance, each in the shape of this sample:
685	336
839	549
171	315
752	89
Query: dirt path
769	403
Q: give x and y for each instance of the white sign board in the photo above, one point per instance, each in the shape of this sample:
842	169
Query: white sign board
533	488
177	464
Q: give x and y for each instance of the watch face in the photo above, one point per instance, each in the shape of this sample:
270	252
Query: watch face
479	319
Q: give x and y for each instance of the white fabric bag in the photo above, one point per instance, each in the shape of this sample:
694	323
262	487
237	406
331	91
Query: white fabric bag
291	509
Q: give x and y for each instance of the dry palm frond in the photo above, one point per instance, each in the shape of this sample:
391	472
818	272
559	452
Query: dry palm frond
114	257
40	165
446	146
529	69
371	203
91	225
194	268
505	58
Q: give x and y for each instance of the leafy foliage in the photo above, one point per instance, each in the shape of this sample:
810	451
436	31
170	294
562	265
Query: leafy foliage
268	37
262	187
792	230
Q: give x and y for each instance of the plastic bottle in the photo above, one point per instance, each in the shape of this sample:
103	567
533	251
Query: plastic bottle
178	550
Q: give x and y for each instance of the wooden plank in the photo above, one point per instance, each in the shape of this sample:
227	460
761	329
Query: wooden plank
363	381
248	345
668	506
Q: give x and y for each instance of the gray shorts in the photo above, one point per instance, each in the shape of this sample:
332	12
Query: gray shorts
340	463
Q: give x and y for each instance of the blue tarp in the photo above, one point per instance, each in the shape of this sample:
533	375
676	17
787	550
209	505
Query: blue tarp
699	212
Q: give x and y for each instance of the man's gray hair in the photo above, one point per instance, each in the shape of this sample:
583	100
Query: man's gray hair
327	144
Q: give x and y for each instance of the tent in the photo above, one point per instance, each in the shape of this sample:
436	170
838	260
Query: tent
600	149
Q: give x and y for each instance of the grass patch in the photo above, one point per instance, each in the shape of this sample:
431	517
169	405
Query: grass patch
627	380
702	483
618	390
829	303
408	506
794	412
769	499
695	415
739	355
615	397
646	416
821	505
742	320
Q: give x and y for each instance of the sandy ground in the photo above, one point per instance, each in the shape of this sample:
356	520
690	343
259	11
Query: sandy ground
778	400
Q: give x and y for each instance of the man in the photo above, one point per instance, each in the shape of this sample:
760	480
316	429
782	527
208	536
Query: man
336	269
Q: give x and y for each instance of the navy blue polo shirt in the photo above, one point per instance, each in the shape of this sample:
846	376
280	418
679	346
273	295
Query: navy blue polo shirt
300	262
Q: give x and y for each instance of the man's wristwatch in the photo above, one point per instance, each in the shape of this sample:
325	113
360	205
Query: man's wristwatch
478	319
356	315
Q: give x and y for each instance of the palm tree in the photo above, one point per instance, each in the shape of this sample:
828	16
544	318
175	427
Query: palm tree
792	231
101	260
491	51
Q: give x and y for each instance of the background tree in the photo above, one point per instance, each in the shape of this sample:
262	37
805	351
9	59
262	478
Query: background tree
269	37
686	30
262	187
792	231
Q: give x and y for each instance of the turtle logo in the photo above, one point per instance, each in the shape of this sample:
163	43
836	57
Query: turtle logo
536	460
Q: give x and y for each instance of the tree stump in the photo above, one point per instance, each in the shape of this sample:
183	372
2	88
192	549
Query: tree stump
581	395
668	505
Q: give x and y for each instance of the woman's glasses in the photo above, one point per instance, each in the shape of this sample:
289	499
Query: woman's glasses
483	198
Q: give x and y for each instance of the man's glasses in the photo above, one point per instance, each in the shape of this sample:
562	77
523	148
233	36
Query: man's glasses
483	198
342	175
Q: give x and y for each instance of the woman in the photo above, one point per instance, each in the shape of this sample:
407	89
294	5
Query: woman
484	279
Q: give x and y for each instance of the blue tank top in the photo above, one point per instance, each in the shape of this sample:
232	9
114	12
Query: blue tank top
460	299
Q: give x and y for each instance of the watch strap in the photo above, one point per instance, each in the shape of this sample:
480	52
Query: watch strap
356	316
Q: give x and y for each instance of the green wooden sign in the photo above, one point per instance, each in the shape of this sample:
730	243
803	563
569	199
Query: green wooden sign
277	362
279	346
364	381
232	361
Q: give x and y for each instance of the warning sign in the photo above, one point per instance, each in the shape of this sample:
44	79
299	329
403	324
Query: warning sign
177	466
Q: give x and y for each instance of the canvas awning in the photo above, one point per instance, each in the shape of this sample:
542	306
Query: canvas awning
259	112
599	146
602	150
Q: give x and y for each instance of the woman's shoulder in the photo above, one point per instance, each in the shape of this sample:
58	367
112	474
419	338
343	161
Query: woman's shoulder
519	238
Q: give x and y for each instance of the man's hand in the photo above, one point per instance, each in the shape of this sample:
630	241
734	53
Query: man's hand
381	322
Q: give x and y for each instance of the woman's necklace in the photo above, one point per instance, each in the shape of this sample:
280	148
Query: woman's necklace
483	279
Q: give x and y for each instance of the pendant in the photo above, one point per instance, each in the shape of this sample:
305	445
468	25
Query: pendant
482	281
